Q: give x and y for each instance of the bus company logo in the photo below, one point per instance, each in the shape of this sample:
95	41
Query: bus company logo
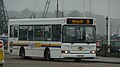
80	48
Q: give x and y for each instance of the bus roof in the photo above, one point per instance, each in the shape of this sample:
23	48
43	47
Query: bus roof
35	19
43	20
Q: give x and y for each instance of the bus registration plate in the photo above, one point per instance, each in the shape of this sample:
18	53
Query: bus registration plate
80	55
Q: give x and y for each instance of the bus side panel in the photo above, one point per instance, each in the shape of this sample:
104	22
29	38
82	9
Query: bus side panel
15	50
34	52
28	51
55	52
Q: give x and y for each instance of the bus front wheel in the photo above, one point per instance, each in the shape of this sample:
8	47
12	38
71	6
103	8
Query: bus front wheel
47	54
22	53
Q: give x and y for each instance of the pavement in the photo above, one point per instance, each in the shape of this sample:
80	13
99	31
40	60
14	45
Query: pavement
105	60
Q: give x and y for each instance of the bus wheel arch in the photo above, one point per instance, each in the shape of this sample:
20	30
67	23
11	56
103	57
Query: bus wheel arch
22	52
47	54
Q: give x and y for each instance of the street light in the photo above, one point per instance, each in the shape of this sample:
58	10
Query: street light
83	8
117	28
108	25
107	28
57	9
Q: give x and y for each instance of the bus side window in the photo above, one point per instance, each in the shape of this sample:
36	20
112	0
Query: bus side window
56	32
47	33
30	33
16	31
38	32
23	32
11	31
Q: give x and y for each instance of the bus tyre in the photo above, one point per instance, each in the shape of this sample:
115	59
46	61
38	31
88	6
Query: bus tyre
77	60
47	54
22	53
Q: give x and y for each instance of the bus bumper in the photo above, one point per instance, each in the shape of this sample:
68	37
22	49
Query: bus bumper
82	56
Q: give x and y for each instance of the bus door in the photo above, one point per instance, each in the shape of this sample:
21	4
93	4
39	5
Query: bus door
13	38
14	32
81	39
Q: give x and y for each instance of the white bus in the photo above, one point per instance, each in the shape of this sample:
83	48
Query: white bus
50	38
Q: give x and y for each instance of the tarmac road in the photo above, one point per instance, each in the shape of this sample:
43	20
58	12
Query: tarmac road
16	61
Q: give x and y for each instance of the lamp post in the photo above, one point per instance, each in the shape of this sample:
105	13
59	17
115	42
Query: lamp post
57	9
117	30
108	25
83	8
107	28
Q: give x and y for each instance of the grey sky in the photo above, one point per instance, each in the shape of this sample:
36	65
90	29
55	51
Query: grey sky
98	6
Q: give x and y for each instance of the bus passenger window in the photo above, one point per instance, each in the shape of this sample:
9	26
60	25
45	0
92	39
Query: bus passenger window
23	33
38	32
30	33
47	33
56	32
11	31
15	31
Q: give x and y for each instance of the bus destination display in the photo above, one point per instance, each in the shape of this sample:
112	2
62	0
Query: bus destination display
79	21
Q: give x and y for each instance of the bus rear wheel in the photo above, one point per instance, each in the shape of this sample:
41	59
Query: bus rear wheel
47	55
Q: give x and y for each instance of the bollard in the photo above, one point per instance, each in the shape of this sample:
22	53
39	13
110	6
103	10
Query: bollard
104	50
1	53
1	65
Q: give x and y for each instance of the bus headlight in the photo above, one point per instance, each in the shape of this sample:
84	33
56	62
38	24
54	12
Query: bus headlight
65	51
93	52
1	55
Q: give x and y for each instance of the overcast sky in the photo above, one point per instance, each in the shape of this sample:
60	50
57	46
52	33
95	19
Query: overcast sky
99	7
